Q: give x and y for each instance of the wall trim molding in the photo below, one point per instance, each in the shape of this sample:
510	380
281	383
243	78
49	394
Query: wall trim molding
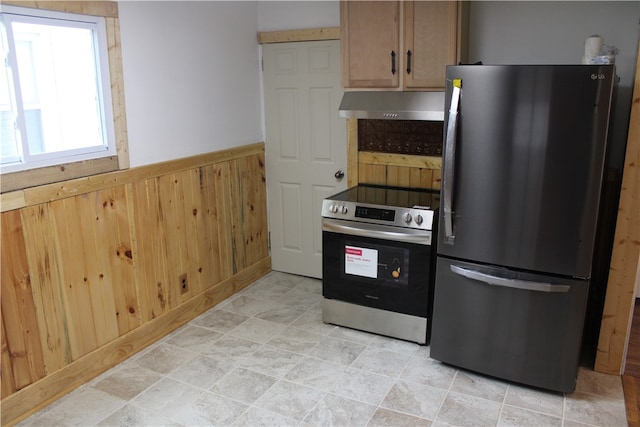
60	190
619	301
313	34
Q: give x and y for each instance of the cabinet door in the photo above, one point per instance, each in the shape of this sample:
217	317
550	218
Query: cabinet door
431	41
370	34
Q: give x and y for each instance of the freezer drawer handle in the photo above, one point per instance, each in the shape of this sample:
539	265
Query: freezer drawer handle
509	283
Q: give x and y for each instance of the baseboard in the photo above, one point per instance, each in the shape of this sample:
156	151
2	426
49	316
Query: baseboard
34	397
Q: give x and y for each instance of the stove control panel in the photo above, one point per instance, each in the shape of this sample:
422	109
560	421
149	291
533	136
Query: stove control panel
418	217
375	213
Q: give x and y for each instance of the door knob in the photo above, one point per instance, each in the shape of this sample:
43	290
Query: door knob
339	175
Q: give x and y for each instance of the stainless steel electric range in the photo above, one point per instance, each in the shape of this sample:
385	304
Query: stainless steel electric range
378	260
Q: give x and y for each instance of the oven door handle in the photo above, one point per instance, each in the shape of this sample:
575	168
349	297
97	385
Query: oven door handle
374	231
449	158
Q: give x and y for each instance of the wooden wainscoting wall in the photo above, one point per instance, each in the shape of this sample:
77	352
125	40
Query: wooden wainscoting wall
398	170
619	300
96	269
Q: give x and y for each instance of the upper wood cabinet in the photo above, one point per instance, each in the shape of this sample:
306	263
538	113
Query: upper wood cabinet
375	56
431	42
370	40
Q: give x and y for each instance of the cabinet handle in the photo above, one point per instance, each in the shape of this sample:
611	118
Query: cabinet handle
408	62
393	62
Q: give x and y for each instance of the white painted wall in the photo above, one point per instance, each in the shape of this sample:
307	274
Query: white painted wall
192	77
191	69
553	32
295	15
516	32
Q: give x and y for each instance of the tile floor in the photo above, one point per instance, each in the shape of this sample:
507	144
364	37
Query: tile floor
264	358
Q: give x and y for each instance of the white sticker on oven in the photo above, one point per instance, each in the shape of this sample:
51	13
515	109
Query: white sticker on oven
361	261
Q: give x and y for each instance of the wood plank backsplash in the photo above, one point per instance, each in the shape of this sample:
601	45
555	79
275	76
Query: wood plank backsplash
87	269
399	153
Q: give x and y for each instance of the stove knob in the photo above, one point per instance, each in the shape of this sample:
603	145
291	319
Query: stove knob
407	218
333	208
344	210
418	219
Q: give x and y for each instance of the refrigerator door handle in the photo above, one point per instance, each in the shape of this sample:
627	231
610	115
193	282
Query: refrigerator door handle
450	151
509	283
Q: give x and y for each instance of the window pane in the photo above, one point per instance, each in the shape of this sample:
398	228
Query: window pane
57	70
8	139
8	148
55	95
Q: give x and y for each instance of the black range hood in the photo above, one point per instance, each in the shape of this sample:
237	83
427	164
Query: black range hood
393	105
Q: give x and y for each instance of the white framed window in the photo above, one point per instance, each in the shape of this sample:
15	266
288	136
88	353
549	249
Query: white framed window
55	91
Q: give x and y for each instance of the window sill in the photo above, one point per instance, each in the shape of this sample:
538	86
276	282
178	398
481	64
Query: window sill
34	177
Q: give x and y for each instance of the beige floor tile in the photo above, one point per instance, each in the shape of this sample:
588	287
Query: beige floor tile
265	358
463	410
335	410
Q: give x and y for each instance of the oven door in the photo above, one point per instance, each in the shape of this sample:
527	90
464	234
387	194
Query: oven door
389	268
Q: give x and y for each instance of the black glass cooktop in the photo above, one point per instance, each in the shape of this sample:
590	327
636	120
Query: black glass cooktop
390	196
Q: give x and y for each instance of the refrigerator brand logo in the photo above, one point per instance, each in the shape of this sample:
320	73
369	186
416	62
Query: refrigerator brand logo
595	76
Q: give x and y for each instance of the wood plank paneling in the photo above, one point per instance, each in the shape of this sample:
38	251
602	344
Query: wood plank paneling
122	267
6	373
114	51
182	211
99	260
399	170
61	172
222	173
150	240
210	235
618	305
192	212
251	175
99	8
312	34
61	190
170	199
372	174
353	173
236	204
44	268
55	385
20	335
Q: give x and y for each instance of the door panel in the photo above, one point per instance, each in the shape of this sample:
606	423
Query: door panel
305	146
430	33
370	32
515	327
529	160
291	208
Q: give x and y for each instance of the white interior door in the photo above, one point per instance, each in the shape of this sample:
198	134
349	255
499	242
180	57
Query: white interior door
305	146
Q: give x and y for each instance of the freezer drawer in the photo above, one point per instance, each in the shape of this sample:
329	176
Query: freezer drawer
517	326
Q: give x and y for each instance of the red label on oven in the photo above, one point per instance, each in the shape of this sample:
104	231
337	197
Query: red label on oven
352	251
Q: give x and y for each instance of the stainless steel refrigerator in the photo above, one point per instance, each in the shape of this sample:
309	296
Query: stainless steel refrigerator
522	169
